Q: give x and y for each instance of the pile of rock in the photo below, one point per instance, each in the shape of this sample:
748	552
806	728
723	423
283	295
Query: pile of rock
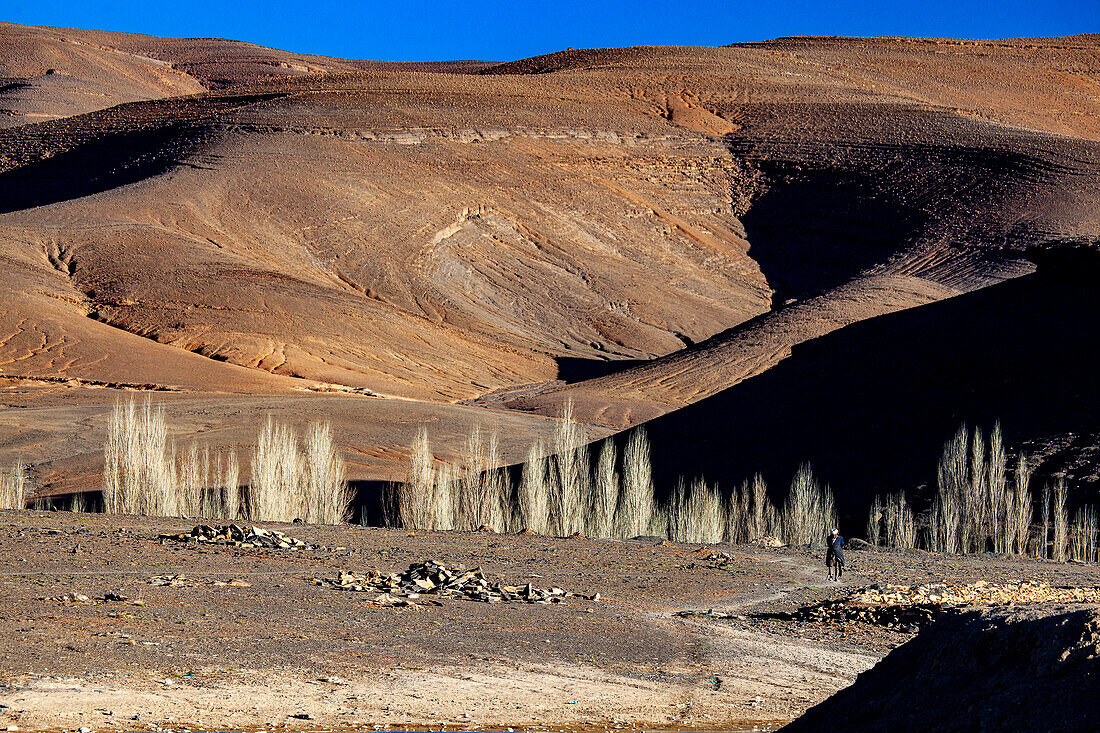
181	580
239	536
711	559
980	593
908	618
71	598
436	579
908	608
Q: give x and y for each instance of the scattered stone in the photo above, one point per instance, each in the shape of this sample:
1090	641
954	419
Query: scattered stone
721	615
843	611
70	598
434	578
909	608
711	559
240	536
182	580
768	541
173	580
979	593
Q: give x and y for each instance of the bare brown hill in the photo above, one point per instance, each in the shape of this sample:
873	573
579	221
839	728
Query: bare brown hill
445	237
46	73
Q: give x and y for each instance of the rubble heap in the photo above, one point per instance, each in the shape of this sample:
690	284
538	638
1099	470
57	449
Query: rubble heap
239	536
908	608
980	593
183	580
908	618
436	579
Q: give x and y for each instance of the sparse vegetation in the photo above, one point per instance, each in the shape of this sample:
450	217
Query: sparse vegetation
565	491
142	474
1083	535
292	481
612	497
139	463
974	509
13	487
696	515
809	510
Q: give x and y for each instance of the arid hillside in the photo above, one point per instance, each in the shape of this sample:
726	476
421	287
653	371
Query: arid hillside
46	73
632	229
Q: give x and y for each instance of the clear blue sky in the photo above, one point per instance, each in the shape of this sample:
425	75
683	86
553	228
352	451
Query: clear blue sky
494	30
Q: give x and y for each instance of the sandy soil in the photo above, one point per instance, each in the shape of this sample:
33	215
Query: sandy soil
251	656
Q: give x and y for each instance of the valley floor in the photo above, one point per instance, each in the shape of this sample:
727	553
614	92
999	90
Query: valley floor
208	654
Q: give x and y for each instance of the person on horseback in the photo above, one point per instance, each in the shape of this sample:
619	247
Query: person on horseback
834	555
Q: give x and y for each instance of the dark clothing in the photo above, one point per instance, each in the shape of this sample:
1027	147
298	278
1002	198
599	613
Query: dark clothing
836	550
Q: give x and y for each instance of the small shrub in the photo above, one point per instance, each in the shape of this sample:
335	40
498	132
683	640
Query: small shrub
533	494
636	509
695	515
874	522
13	487
809	511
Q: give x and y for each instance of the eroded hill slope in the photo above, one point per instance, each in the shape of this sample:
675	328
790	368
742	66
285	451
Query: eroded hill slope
689	214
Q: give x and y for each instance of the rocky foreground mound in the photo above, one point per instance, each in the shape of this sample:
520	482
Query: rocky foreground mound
1033	669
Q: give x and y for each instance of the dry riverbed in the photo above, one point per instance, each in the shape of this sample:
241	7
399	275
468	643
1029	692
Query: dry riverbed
104	626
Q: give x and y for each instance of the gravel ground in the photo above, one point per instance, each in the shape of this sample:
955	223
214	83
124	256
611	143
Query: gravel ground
250	655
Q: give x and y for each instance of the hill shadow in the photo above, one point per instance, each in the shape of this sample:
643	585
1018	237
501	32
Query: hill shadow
98	165
871	405
814	226
572	369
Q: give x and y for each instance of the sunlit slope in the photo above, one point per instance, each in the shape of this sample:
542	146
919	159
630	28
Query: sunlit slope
675	220
47	73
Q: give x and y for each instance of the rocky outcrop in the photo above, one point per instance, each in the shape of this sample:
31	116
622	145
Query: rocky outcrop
1033	669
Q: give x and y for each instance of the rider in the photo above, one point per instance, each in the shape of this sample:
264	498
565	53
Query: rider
834	556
